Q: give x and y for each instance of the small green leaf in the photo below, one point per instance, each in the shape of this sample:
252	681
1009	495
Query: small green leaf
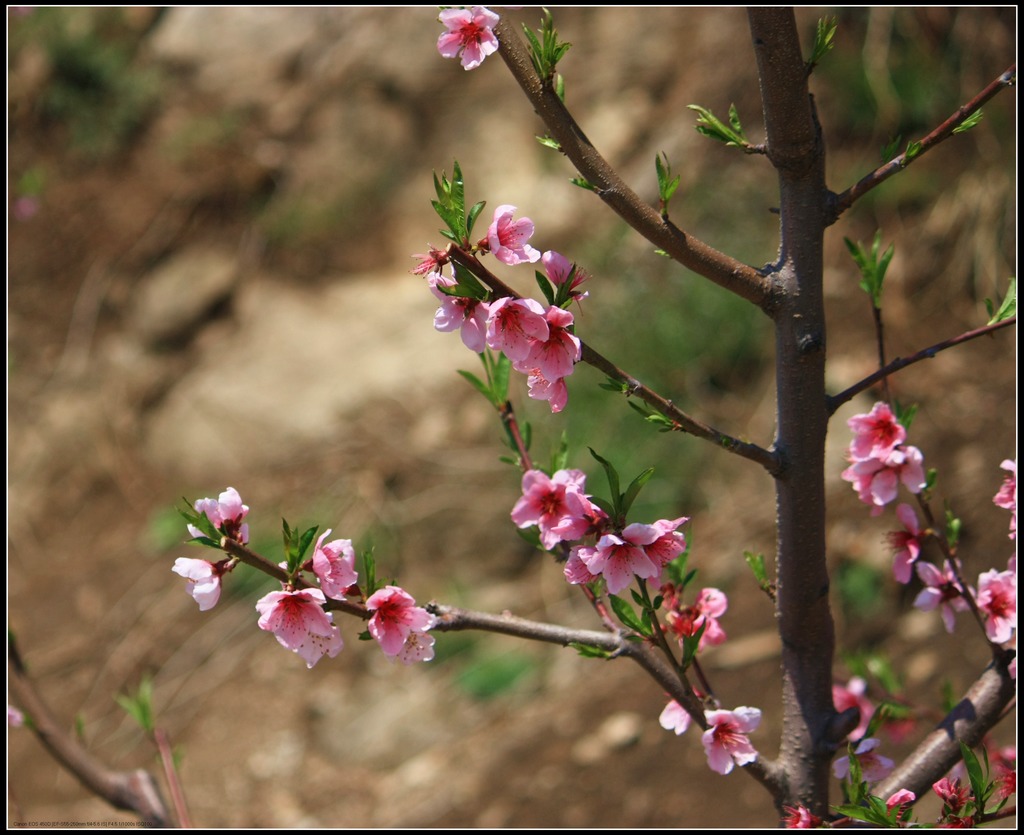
635	486
872	267
478	384
545	287
624	612
892	148
667	184
474	213
588	651
549	142
756	563
711	126
140	704
974	771
369	572
824	36
613	481
953	526
582	183
968	123
1008	308
560	457
913	149
305	541
691	643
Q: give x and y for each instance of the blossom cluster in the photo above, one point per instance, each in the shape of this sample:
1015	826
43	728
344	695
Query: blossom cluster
297	614
538	340
725	741
879	460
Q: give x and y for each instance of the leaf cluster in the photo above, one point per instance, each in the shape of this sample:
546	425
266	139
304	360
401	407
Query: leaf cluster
450	206
872	266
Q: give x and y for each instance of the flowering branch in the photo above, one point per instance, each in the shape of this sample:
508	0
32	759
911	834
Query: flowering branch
452	619
900	363
733	275
134	791
976	714
843	201
682	422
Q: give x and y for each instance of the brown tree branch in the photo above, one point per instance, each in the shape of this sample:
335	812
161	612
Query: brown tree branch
733	275
847	198
796	149
134	791
976	714
681	420
900	363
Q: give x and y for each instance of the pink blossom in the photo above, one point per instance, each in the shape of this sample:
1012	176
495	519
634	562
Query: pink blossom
558	269
685	621
876	480
508	239
395	617
873	767
557	505
726	742
419	646
431	262
554	392
15	718
300	624
555	356
853	695
621	558
335	565
902	799
513	324
876	434
954	796
470	34
997	598
575	570
941	591
225	514
906	544
675	718
1007	495
669	542
203	580
800	817
469	315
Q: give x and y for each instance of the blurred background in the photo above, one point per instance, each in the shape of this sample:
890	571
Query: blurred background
211	218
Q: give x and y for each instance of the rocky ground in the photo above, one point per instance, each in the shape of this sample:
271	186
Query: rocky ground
211	216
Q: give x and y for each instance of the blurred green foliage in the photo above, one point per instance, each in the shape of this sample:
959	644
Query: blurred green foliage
96	87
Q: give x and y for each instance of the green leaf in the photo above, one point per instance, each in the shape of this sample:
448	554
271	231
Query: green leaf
667	184
974	771
913	149
582	183
953	526
139	706
1008	307
756	563
624	612
500	371
635	486
968	123
474	213
305	541
545	287
691	643
478	384
824	36
613	481
711	126
545	51
587	651
872	267
892	148
560	457
369	572
549	142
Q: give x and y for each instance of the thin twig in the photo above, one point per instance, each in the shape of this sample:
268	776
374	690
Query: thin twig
847	198
681	420
733	275
900	363
134	791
